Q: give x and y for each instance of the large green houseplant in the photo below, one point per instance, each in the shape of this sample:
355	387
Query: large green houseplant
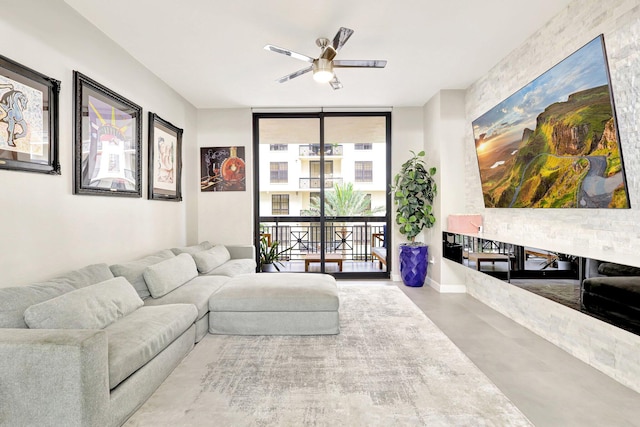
414	190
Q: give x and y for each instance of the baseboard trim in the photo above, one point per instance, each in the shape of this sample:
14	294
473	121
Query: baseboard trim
446	289
443	289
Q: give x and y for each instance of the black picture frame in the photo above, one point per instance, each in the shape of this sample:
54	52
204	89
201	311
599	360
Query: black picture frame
165	160
107	141
29	104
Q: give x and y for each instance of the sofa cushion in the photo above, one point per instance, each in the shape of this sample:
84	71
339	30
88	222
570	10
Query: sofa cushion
91	307
192	249
196	291
137	338
169	274
234	267
282	292
86	276
613	269
133	270
15	300
211	258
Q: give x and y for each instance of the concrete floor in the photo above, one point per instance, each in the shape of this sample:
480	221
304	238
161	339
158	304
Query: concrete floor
551	387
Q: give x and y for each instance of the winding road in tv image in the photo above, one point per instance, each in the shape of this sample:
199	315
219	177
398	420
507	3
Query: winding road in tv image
595	190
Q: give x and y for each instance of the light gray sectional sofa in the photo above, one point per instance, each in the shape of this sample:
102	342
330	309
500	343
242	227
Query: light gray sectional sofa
89	347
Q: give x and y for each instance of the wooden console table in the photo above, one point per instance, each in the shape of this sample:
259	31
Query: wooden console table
480	257
335	258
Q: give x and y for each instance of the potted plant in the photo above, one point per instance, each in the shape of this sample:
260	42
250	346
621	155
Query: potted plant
565	261
413	190
270	255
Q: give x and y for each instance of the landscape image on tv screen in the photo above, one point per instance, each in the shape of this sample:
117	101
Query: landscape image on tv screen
554	143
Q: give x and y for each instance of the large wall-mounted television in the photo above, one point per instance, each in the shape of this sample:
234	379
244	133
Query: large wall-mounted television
554	143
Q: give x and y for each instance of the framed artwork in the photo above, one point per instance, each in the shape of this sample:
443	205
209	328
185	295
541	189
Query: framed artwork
29	104
107	144
554	143
165	160
222	169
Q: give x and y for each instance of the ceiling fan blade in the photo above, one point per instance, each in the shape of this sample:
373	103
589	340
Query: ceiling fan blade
288	52
341	37
357	63
335	83
294	75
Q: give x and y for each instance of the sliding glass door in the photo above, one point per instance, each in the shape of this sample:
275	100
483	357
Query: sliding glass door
321	191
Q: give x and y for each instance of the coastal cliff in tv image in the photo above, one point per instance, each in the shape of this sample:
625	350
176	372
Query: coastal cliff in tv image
554	143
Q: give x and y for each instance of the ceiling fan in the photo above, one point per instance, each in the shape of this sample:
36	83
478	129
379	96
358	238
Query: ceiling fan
323	65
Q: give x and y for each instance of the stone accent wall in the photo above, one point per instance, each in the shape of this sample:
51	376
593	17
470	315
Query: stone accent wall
612	235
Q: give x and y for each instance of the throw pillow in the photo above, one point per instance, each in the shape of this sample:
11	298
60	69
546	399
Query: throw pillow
206	261
92	307
133	270
170	274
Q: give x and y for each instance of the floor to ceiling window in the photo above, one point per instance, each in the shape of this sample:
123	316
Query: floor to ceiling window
321	183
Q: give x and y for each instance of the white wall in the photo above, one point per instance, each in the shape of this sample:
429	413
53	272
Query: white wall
46	229
597	233
226	217
444	144
407	130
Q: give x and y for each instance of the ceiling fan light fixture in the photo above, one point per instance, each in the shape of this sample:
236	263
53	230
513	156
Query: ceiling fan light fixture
323	66
322	70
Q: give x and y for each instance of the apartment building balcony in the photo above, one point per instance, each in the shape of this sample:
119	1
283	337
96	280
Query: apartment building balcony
313	150
314	183
355	244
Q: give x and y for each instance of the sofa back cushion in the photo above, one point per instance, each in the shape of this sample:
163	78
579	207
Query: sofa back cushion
165	276
212	258
613	269
192	249
92	307
133	270
15	300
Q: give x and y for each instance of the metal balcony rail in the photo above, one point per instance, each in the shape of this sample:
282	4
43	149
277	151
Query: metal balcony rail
306	183
313	150
352	241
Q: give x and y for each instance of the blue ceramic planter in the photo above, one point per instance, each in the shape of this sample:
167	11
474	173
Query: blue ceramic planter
413	264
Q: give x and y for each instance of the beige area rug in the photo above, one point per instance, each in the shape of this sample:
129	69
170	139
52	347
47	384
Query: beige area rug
390	366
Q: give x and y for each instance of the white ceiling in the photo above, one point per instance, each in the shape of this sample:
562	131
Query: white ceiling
211	51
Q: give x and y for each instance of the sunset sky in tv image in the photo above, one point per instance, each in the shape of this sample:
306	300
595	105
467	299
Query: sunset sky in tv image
505	123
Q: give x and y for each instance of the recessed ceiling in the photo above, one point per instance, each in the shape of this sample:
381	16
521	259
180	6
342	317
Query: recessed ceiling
211	52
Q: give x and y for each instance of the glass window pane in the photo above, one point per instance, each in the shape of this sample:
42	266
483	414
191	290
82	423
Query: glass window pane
363	144
286	147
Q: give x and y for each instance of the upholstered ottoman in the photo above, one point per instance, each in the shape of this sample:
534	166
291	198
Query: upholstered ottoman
276	304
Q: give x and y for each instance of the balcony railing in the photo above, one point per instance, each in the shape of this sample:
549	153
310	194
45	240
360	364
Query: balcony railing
351	240
313	150
306	183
